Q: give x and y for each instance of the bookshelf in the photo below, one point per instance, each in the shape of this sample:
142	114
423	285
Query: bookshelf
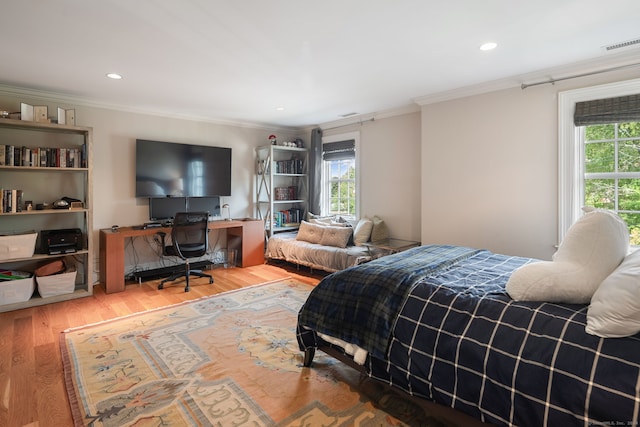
58	165
281	187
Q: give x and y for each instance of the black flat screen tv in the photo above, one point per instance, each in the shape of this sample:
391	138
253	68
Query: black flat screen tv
169	169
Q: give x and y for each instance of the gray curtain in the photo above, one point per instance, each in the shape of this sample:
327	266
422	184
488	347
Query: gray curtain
315	170
610	110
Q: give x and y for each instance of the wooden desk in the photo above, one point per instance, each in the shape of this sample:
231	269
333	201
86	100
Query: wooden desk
246	236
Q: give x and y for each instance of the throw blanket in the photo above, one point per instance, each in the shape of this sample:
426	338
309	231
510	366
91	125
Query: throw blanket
359	305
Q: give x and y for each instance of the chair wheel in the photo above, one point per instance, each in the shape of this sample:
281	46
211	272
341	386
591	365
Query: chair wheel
210	281
161	286
186	289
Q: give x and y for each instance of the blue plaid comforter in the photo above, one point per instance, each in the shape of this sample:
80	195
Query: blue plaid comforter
456	338
359	305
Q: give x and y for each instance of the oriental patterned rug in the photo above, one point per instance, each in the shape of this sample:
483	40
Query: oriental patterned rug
227	360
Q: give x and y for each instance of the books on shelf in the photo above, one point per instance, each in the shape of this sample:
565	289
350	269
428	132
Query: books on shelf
288	218
11	155
11	201
293	166
285	193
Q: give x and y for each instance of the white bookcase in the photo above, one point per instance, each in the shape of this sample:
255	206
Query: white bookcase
282	187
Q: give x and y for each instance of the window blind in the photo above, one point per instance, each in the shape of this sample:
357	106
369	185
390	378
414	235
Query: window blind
610	110
339	150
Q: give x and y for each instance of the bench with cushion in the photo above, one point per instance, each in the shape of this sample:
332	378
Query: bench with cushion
329	244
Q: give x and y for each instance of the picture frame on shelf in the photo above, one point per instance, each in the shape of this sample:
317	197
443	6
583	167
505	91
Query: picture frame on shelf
41	114
67	116
26	112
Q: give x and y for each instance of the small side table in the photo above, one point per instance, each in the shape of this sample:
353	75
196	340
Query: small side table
390	246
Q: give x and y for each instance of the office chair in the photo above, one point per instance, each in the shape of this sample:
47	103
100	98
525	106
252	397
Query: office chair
190	238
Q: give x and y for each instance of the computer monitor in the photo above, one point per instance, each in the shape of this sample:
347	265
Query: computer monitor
165	208
204	204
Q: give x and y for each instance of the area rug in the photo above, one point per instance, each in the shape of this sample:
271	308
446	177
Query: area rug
227	360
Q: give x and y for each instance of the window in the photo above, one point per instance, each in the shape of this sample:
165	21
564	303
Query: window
597	162
612	171
339	185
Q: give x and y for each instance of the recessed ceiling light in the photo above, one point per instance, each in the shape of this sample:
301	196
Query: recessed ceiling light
114	76
488	46
280	108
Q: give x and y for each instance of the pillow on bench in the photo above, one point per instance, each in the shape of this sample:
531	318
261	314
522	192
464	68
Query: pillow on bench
336	236
362	232
326	235
380	231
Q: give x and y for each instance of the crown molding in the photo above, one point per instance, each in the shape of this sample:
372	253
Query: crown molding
370	117
594	65
72	100
77	100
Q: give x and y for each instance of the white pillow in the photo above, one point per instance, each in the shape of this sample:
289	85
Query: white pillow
311	217
311	233
321	221
362	232
336	236
615	306
328	221
592	248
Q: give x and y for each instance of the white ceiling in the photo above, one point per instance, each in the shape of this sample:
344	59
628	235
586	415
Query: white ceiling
236	61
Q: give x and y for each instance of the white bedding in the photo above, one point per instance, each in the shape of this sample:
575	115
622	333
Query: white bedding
359	354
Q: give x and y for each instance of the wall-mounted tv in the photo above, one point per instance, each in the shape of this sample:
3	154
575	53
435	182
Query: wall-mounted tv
181	170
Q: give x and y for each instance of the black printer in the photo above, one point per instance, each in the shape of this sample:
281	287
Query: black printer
63	241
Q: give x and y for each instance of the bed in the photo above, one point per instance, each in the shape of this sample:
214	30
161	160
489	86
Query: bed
436	321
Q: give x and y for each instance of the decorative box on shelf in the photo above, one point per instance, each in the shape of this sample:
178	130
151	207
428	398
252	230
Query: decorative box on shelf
15	286
17	245
57	284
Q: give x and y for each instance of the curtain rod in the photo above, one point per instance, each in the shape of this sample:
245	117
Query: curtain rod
361	122
552	81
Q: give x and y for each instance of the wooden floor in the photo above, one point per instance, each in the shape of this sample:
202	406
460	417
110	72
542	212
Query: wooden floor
32	390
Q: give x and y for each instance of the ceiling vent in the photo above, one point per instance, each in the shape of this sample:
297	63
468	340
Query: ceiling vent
623	44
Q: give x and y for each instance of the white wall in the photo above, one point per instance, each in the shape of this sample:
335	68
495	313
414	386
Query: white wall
489	169
114	135
478	171
390	163
390	172
114	160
